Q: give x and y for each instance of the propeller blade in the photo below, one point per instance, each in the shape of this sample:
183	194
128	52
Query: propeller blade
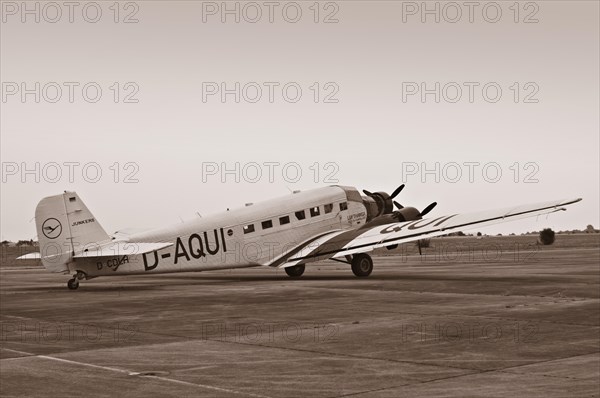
367	192
428	208
398	205
397	191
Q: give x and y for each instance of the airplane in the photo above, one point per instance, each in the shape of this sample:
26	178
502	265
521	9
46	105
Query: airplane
334	222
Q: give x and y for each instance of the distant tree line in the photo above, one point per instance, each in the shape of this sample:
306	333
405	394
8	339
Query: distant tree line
22	242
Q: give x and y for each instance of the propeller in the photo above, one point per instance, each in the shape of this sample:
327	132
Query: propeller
385	201
428	208
392	196
396	192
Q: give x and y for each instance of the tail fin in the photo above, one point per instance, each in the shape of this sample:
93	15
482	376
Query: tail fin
65	225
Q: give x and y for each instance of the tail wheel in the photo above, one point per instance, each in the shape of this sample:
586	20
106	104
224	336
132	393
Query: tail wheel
362	265
296	271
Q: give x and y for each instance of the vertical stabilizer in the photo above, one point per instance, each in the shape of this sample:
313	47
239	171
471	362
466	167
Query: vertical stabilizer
65	225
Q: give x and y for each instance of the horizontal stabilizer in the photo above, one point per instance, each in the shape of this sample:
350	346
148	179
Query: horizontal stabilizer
112	249
30	256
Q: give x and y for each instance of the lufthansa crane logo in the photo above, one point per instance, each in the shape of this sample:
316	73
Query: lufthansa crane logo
51	228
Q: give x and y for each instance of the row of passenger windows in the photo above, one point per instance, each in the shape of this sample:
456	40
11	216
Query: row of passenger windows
300	215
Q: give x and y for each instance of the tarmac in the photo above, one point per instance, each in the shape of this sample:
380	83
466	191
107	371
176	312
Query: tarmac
418	326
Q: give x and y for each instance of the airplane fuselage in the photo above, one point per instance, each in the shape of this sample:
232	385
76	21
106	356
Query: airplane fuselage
334	222
251	236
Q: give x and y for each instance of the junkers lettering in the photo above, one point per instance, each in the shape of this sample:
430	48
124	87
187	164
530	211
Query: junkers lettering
416	224
195	246
89	220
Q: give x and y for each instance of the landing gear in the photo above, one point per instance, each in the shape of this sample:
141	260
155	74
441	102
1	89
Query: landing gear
296	271
362	265
73	284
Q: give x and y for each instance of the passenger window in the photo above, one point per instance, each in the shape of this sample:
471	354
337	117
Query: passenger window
248	228
267	224
344	206
328	208
300	215
314	211
284	220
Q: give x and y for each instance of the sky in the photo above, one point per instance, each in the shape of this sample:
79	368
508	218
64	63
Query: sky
156	111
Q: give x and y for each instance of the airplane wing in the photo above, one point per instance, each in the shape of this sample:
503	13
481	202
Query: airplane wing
385	232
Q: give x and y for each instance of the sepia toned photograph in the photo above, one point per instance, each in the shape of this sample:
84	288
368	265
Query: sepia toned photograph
303	198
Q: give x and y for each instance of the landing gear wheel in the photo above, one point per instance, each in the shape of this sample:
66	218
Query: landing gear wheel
362	265
73	284
296	271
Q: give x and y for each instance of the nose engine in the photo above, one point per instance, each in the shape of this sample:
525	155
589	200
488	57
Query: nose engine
377	204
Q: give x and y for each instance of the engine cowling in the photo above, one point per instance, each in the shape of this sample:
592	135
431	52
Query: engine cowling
404	214
372	207
408	214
